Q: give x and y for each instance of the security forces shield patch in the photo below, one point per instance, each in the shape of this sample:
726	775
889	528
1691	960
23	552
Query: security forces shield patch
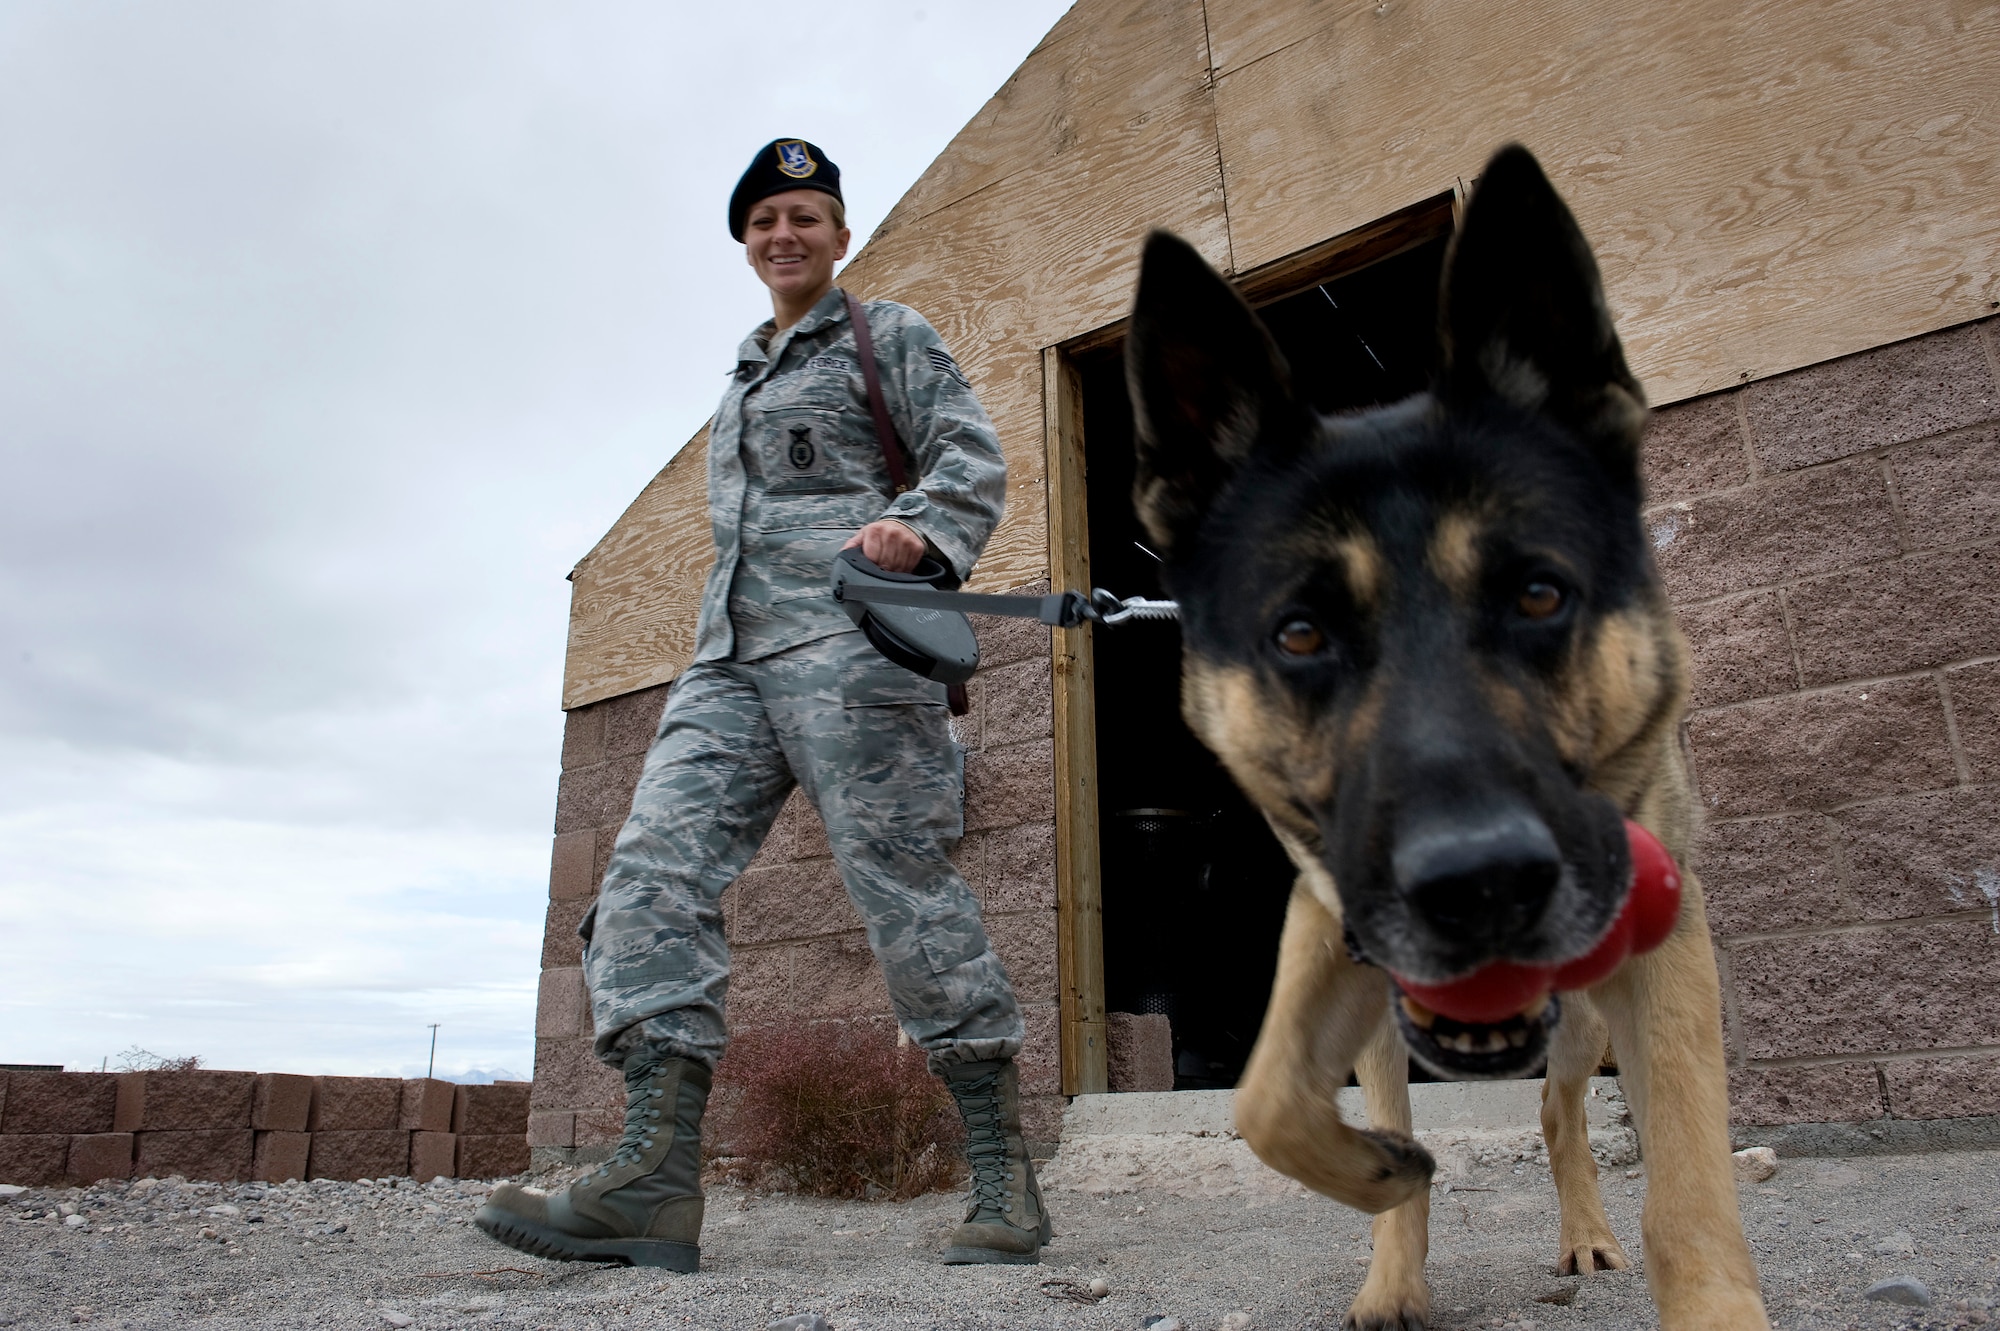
794	160
802	451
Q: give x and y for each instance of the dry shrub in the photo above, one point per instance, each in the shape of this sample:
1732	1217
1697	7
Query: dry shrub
835	1111
136	1059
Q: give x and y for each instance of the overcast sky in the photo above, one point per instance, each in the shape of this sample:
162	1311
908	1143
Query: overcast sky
331	336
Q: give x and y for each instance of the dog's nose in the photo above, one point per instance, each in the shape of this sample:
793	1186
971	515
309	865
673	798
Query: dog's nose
1489	874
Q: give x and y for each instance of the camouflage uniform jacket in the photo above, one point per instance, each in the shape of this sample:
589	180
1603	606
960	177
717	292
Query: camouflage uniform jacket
794	470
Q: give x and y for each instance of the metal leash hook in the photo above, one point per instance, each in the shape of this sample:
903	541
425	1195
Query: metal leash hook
920	624
1109	609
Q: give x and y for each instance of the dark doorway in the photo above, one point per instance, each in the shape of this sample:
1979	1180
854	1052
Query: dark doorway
1194	884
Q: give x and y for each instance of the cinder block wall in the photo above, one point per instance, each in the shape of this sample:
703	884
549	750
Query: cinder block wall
79	1127
1832	540
798	952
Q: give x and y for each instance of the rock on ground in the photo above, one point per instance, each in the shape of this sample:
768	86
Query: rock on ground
343	1255
1906	1290
1755	1164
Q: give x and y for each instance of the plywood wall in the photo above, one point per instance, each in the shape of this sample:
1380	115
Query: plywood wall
635	597
1769	184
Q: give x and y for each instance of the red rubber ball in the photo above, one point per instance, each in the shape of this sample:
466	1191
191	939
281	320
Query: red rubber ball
1500	989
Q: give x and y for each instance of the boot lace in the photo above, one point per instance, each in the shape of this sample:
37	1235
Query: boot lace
985	1145
642	1117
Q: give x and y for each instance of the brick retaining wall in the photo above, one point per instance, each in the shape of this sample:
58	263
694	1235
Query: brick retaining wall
1832	540
797	947
78	1127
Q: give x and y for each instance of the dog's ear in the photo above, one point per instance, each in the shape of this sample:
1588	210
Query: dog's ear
1523	314
1208	388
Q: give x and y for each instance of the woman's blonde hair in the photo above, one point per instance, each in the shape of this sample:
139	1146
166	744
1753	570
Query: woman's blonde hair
836	211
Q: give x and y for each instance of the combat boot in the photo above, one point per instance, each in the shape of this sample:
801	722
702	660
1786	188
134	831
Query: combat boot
643	1206
1005	1221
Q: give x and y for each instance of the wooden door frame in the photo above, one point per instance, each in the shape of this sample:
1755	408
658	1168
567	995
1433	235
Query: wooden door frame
1079	871
1079	917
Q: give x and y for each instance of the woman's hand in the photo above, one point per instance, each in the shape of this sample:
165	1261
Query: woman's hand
889	545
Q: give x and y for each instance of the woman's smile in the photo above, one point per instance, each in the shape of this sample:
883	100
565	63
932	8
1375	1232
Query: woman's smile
792	242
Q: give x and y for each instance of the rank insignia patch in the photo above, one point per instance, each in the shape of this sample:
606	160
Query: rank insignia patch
942	362
794	160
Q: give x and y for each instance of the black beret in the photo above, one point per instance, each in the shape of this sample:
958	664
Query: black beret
780	165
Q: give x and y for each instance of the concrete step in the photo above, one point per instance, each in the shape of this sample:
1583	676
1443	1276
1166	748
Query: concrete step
1461	1106
1185	1142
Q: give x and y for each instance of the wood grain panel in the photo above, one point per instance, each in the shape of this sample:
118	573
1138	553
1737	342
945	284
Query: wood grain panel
1243	31
1051	253
1106	64
1035	260
634	598
1768	184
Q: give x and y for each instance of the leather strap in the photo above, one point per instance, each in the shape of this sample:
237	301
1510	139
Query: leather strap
956	697
885	430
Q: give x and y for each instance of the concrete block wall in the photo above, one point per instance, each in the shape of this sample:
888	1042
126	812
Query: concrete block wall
798	952
1139	1051
79	1127
1831	538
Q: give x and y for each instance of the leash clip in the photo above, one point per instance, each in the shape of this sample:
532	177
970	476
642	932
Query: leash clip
1066	610
1108	609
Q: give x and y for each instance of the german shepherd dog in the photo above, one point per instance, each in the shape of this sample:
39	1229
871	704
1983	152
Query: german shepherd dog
1429	641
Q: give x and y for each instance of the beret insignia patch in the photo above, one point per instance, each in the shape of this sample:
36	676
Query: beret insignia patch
794	160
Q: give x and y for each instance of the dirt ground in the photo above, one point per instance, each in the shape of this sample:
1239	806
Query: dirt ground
340	1255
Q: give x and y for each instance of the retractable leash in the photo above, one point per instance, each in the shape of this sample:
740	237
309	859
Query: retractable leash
920	624
917	619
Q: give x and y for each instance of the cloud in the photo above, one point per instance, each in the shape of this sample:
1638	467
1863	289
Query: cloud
330	337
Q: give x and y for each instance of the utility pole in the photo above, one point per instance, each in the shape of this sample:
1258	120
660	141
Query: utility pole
434	1051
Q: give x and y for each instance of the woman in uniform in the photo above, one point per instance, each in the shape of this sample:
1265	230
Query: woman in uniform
784	691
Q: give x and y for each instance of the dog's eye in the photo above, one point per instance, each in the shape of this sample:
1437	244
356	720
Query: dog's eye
1539	600
1300	637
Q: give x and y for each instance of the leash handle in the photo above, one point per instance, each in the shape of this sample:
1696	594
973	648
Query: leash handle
885	429
919	590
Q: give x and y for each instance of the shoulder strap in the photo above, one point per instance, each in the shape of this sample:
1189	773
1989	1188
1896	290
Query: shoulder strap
956	698
885	430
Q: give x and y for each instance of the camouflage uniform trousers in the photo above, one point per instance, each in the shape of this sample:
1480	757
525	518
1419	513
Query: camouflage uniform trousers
869	743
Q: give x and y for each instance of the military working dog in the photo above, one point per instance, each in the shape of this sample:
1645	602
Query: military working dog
1429	640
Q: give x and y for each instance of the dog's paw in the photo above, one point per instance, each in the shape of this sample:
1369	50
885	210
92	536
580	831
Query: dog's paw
1584	1256
1404	1162
1393	1298
1387	1170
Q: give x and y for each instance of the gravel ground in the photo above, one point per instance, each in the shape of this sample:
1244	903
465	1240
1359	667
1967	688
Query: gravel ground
395	1253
